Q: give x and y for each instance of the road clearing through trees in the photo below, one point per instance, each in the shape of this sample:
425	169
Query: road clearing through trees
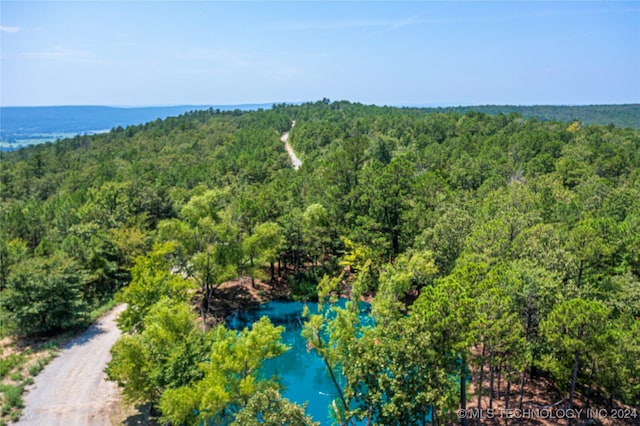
73	390
292	155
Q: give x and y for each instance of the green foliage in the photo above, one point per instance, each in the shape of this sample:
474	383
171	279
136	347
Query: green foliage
619	115
164	355
576	328
10	362
446	238
393	378
152	281
262	246
35	368
269	408
472	232
12	395
394	369
303	286
191	373
363	265
229	376
11	252
410	272
44	295
617	369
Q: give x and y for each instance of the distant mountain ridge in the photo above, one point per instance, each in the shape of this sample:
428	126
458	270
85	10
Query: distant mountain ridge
24	126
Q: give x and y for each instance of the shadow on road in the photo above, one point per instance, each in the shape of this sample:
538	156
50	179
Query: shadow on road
87	336
142	417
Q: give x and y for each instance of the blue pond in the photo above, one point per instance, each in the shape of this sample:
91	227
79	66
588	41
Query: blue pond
302	373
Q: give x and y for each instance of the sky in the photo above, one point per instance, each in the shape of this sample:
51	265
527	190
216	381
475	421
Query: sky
147	53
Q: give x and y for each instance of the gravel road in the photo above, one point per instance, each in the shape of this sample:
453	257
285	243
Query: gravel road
72	390
295	161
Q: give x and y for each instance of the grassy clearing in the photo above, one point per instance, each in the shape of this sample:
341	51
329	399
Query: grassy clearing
10	363
18	364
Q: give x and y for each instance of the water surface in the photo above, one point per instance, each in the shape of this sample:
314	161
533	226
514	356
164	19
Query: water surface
302	372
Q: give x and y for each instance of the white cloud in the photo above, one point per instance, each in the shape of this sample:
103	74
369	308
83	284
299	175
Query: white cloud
9	29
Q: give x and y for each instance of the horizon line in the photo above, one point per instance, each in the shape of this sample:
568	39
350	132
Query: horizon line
294	103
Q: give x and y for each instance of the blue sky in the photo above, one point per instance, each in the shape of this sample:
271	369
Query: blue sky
133	53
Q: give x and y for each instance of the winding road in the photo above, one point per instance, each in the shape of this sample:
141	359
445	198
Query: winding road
295	161
72	390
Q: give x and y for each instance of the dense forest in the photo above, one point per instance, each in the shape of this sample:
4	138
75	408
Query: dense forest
23	126
494	250
618	115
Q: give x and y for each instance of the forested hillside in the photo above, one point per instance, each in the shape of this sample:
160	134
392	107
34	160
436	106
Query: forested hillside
619	115
494	250
24	126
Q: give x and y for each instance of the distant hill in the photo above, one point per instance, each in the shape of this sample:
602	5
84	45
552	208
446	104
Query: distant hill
627	115
22	126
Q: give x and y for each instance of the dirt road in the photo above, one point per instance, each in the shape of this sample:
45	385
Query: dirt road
295	161
72	389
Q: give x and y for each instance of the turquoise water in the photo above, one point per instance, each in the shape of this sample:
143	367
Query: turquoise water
302	373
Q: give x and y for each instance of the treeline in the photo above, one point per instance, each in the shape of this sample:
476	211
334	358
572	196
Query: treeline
29	124
494	249
625	115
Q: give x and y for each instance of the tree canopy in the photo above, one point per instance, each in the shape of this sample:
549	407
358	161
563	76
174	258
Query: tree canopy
493	249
